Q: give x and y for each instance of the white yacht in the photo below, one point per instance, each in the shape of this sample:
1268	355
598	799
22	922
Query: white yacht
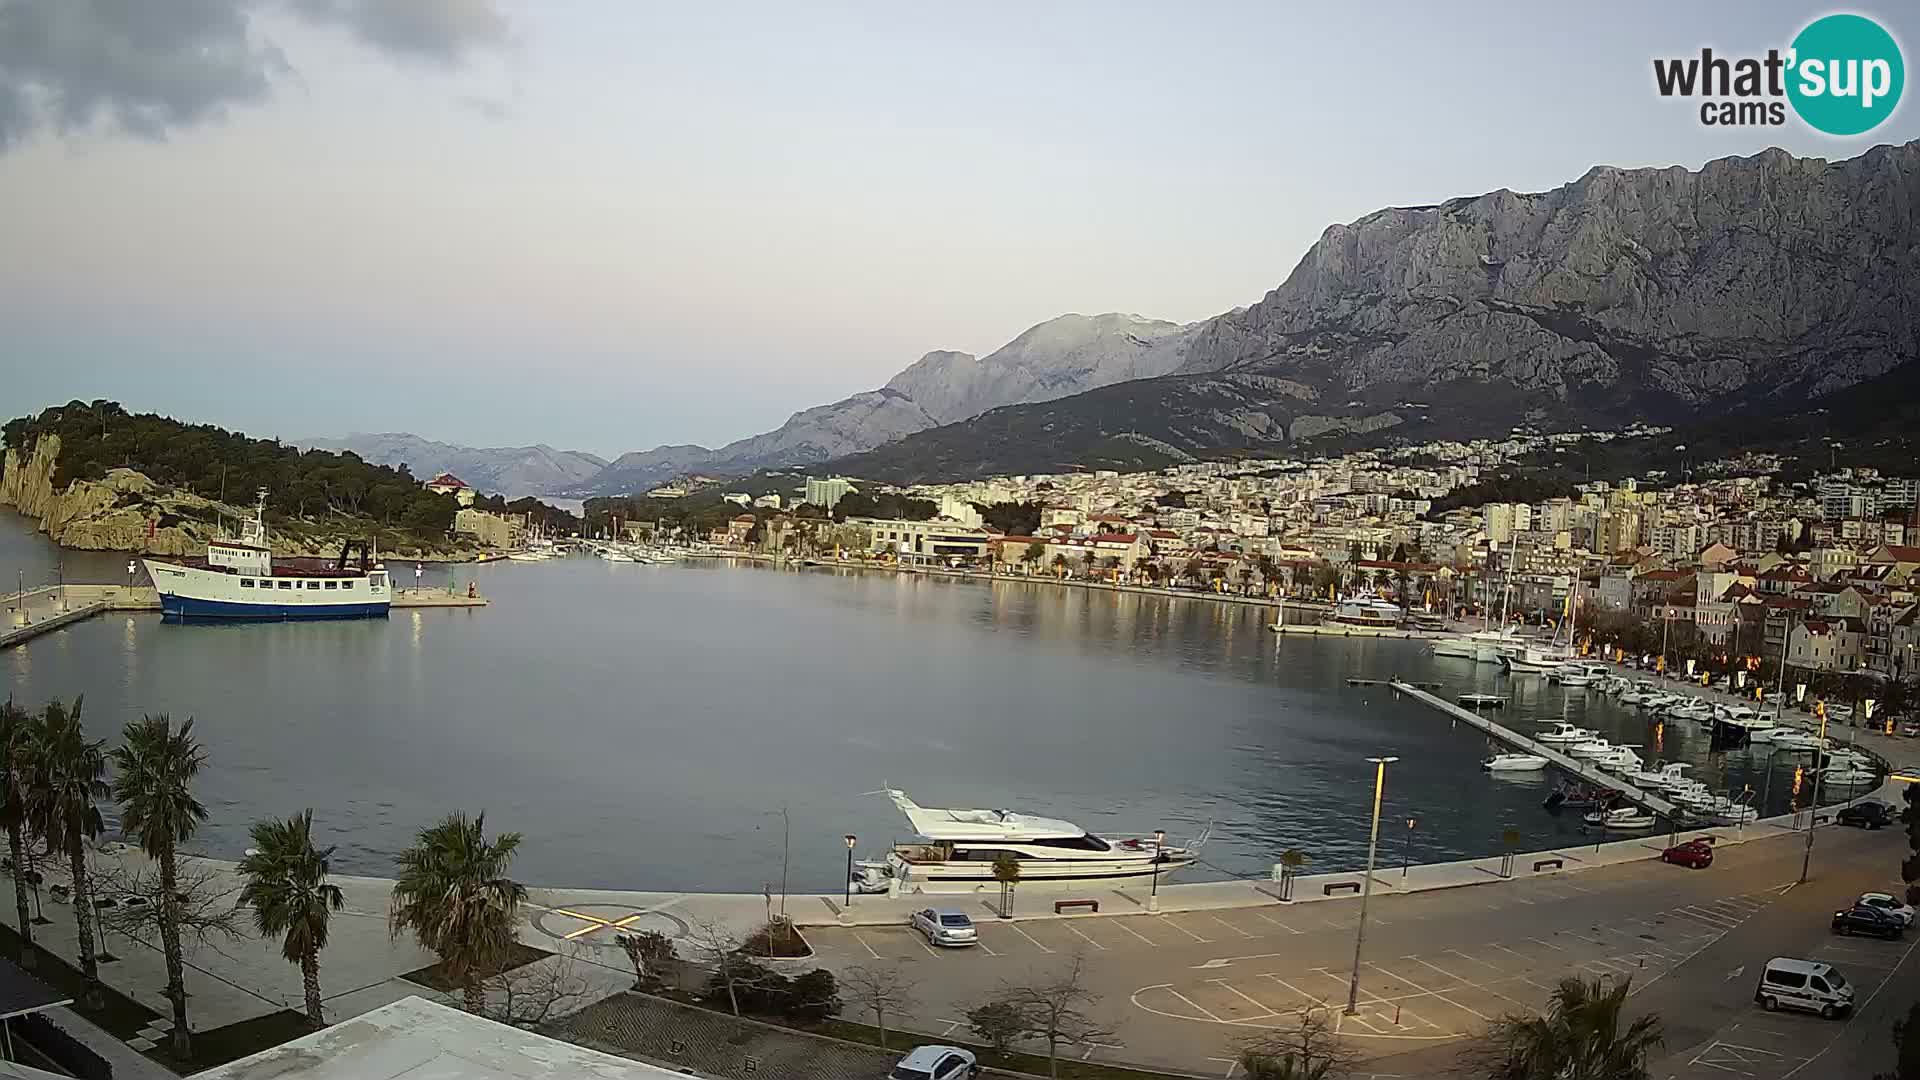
1366	608
1621	817
1534	660
1563	733
1594	747
1514	763
961	845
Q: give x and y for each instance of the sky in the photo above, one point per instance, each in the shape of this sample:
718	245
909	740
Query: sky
609	224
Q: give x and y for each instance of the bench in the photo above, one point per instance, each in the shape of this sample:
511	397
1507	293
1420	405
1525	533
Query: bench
1328	890
1542	864
1060	906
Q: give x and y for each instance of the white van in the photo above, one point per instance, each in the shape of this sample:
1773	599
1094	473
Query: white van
1787	983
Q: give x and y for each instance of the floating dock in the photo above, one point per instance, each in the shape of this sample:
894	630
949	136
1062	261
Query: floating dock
1571	765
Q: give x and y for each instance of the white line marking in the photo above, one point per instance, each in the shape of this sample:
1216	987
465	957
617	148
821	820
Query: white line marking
1036	944
1476	960
1189	933
1310	997
1468	983
1229	988
1548	944
1122	924
1276	922
1208	1013
1441	993
1231	927
1084	937
863	944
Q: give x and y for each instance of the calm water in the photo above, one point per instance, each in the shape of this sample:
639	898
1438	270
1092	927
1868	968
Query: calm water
644	726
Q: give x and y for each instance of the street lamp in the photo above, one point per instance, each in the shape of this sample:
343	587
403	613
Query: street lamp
1813	815
1153	896
1366	885
851	840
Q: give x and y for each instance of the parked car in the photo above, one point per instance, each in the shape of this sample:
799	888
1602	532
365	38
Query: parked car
935	1063
945	926
1695	854
1888	903
1866	919
1866	814
1786	983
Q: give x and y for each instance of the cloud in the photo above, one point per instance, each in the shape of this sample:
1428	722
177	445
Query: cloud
444	31
150	67
137	66
491	108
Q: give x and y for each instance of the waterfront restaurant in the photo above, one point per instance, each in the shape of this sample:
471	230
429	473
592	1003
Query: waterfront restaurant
925	542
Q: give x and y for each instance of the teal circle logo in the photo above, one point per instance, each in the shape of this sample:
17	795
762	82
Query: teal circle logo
1846	74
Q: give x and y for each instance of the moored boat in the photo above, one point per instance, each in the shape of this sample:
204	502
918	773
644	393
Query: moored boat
239	579
961	846
1514	763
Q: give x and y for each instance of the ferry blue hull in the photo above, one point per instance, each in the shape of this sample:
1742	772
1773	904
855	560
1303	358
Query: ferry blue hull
180	607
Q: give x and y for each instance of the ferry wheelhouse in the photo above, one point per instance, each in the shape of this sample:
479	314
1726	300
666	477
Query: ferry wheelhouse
239	578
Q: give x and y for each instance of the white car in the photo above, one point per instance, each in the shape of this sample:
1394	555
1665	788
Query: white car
935	1063
945	926
1888	903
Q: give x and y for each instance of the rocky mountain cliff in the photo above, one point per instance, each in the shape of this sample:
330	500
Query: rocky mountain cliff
1061	356
512	471
1756	282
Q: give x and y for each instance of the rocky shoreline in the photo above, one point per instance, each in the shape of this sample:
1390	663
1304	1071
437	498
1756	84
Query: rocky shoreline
128	511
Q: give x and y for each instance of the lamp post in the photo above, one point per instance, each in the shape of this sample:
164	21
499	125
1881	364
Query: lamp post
1153	895
851	840
1813	814
1366	885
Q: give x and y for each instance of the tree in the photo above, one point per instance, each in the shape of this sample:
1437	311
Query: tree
1906	1051
882	991
287	888
153	780
1306	1049
1034	553
718	948
1910	867
64	782
649	951
16	730
1059	564
997	1023
1055	1010
813	997
453	893
1580	1038
528	996
1006	871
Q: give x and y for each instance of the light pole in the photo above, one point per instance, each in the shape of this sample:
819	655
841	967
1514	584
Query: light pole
1366	885
1153	896
1813	814
848	899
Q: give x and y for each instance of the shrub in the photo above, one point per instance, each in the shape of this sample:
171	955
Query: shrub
814	997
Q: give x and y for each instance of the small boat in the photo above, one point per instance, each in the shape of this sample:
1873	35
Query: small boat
1620	817
1563	733
1457	647
1577	797
1483	701
1621	759
1514	763
1595	746
1791	739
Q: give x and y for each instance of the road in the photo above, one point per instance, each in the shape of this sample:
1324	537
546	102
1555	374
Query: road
1180	990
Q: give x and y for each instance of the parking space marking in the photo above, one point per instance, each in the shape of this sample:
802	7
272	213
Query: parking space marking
1036	941
1315	998
1208	1013
1577	936
1230	926
1711	918
1169	922
1084	937
1122	924
1476	960
1276	922
1267	1010
1548	944
1454	982
863	943
1468	983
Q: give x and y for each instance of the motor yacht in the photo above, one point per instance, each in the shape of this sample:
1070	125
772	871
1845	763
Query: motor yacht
1595	746
1620	817
1533	660
1514	763
1795	739
1563	733
961	846
1621	759
1574	677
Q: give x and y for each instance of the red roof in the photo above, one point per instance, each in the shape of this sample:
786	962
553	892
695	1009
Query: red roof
1163	534
1665	575
1115	538
447	479
1904	552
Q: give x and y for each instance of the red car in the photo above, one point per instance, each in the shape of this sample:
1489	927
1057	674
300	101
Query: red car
1697	854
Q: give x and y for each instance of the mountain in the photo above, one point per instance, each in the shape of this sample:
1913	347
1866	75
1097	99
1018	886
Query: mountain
1059	357
1752	284
512	471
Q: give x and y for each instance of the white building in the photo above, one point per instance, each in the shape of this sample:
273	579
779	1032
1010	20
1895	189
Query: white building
825	493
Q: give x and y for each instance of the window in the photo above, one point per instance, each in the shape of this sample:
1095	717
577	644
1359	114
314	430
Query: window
286	584
246	583
313	584
1818	985
1791	979
332	585
346	584
948	1066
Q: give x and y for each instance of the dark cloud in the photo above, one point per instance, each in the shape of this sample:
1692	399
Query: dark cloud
148	67
143	67
445	31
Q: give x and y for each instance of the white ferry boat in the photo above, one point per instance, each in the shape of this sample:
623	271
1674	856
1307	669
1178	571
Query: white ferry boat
962	845
238	578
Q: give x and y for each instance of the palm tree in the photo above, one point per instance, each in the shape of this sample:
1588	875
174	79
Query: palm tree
453	893
63	780
153	778
16	731
1580	1038
292	899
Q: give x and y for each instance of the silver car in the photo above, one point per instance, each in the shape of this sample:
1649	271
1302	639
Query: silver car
935	1063
945	926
